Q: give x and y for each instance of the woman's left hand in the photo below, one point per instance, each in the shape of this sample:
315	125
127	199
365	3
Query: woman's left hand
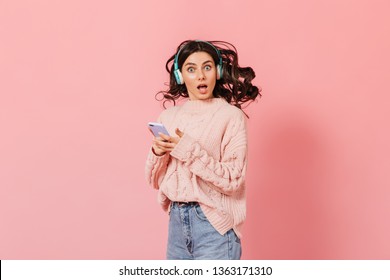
168	143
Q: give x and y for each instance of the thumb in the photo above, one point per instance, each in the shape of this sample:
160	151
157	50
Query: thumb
179	133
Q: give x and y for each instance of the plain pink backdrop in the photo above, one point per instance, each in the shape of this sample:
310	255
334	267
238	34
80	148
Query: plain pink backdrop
77	85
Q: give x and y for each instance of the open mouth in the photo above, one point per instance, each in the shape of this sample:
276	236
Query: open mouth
202	87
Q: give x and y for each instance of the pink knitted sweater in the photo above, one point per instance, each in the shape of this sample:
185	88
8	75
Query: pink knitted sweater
208	165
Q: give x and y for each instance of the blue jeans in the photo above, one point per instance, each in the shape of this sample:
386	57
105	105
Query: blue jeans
192	237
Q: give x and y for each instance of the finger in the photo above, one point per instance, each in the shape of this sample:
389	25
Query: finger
164	136
163	144
179	132
160	139
175	140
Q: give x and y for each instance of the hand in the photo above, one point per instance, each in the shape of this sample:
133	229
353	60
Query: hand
166	143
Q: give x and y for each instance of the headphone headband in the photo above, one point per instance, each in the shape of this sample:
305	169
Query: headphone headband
176	63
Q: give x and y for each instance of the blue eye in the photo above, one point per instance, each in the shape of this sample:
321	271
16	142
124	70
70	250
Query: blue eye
191	69
207	67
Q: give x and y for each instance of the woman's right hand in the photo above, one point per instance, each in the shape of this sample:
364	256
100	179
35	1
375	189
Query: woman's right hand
155	147
165	143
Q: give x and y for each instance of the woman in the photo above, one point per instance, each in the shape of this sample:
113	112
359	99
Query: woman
199	169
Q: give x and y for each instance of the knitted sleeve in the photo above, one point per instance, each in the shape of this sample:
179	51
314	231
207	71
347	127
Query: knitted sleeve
156	167
228	173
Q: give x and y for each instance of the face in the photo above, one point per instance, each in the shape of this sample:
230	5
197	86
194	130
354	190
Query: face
199	74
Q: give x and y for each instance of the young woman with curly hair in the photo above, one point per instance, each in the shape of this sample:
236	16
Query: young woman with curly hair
199	168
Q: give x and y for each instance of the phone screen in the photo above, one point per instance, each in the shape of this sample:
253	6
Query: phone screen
155	128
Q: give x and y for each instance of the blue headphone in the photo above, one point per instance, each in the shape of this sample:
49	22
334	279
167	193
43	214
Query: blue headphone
179	76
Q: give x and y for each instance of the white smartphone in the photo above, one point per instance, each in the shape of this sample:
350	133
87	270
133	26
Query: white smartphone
155	128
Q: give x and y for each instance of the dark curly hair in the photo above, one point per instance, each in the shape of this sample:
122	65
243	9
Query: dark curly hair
235	85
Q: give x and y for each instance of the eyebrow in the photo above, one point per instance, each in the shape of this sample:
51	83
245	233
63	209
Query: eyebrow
191	63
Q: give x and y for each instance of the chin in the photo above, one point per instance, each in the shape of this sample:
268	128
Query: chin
200	96
205	96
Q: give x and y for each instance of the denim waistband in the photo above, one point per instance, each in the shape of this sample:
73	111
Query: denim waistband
184	204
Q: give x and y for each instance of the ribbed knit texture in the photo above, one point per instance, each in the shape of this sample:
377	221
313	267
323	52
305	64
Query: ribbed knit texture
209	163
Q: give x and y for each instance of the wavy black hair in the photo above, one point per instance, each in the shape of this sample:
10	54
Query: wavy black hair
235	85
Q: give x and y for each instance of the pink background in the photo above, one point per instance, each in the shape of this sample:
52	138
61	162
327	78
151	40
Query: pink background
77	84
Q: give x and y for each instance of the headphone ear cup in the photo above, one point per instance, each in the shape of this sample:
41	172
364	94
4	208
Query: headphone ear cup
178	76
219	71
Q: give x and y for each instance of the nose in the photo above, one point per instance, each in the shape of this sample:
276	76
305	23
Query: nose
201	75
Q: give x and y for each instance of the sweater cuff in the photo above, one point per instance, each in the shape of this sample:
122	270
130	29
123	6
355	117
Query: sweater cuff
155	158
183	149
